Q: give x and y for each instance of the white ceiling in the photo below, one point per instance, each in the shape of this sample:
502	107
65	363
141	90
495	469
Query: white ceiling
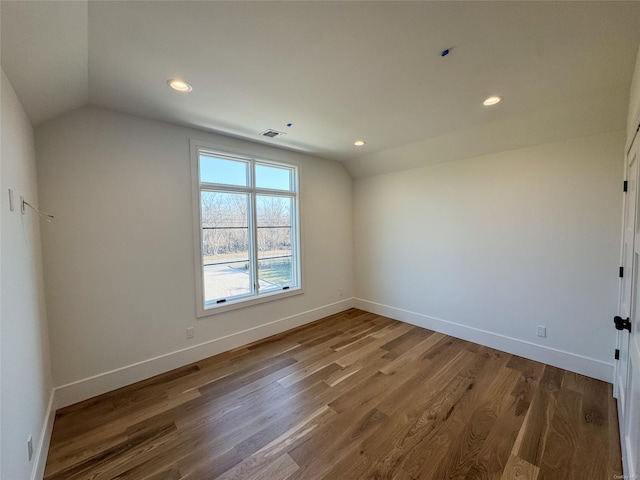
339	71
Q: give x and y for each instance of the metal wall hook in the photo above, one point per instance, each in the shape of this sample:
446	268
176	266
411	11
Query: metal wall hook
47	217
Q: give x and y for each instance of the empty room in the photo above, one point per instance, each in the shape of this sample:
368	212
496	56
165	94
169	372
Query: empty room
303	240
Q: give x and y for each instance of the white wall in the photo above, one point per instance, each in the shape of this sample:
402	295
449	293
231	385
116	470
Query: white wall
26	383
119	259
487	248
633	114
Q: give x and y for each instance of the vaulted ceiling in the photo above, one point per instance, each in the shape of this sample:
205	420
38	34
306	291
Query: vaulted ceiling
337	71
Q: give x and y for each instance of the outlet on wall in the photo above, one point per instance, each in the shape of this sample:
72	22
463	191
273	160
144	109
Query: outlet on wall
542	331
340	292
189	332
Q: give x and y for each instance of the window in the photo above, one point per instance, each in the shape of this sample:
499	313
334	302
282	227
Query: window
246	212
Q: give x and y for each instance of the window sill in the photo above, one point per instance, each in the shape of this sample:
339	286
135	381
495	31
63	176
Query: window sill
242	303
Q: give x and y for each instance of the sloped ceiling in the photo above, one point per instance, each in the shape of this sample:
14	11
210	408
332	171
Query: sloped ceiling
338	71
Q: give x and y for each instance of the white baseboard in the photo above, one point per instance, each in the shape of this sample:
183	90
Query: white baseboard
105	382
558	358
45	438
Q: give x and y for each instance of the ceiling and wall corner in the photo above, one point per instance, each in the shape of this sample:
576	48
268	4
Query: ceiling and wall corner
578	116
337	71
45	51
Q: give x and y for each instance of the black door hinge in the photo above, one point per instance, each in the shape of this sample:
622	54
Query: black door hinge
625	186
621	272
617	355
622	323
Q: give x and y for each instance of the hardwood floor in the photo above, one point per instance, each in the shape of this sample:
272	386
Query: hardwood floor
352	396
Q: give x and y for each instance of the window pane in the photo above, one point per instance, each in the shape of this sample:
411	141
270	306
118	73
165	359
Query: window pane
275	273
226	281
223	170
276	178
273	211
275	266
225	245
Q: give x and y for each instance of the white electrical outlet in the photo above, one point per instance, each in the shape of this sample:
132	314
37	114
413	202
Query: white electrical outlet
30	447
542	331
11	207
340	292
189	332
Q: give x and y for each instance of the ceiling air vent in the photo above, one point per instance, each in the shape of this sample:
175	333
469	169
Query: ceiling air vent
272	133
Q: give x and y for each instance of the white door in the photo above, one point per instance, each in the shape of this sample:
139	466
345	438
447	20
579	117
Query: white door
627	375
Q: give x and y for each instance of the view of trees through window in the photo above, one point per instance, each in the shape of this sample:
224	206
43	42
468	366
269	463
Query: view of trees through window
226	234
225	242
274	240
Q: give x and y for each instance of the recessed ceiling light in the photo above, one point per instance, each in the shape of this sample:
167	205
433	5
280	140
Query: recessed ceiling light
359	143
179	85
491	101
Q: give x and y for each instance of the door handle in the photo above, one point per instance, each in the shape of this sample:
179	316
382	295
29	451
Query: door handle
622	323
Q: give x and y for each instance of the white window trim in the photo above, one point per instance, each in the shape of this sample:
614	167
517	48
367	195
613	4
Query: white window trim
201	311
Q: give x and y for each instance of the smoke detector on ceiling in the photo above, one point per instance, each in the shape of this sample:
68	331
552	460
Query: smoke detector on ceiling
272	133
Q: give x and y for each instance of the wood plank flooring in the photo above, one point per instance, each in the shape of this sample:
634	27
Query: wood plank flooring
352	396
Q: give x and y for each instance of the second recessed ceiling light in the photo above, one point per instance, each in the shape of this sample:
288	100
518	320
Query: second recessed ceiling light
491	101
179	85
